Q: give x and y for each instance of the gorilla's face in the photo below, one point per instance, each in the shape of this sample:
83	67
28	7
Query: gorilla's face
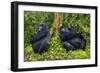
42	27
66	30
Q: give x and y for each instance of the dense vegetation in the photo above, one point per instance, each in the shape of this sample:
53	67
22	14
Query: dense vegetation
80	22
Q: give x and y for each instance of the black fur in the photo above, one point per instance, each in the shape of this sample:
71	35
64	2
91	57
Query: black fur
40	41
71	39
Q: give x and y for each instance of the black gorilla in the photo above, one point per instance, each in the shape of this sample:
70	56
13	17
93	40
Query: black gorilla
71	39
40	41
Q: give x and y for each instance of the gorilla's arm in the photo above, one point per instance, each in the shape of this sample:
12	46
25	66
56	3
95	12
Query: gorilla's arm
41	45
44	45
78	42
83	42
38	36
67	36
68	46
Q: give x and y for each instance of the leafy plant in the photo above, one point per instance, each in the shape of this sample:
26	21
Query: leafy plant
80	22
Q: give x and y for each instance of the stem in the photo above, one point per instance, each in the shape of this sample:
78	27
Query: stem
58	20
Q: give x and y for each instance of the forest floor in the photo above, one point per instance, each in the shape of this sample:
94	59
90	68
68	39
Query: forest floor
56	52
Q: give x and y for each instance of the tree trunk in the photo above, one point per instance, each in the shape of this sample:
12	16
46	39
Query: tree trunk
58	20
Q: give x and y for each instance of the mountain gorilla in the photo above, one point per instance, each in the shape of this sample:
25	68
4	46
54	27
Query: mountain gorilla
71	39
40	41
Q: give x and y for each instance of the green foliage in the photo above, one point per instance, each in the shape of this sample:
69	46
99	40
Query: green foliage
32	19
80	22
56	52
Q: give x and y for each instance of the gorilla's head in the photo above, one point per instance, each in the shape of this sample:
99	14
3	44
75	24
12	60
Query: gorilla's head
66	30
42	27
67	33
